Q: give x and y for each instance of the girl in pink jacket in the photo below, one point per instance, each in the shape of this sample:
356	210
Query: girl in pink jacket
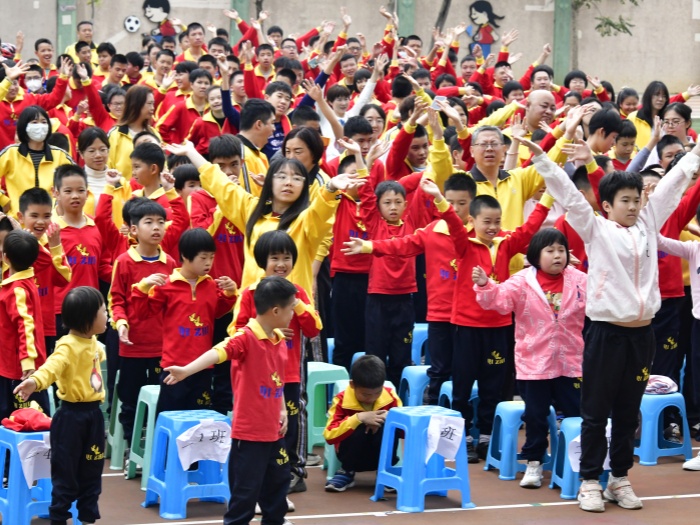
549	301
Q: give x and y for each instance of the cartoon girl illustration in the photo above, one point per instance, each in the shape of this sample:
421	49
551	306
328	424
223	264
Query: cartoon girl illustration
485	22
158	12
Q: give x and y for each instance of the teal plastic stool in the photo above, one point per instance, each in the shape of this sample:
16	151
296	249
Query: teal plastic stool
415	479
142	445
652	444
420	336
331	463
503	447
414	381
116	443
563	475
318	376
168	481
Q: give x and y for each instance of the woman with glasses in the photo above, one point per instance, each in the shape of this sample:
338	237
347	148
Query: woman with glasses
677	121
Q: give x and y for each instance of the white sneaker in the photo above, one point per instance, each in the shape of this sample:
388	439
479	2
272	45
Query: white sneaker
620	491
590	496
290	506
692	464
533	475
257	509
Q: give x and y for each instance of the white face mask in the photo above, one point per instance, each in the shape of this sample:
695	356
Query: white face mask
34	85
37	131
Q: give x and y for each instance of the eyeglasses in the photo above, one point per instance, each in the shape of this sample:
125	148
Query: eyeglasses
673	122
488	145
289	47
283	177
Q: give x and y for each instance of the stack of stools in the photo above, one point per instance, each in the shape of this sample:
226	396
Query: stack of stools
414	381
445	400
415	479
319	375
503	447
140	453
652	444
420	336
18	502
168	480
562	474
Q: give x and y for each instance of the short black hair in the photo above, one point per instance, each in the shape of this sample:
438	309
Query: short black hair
195	241
419	73
483	201
173	161
387	186
288	74
543	238
613	182
135	59
165	52
277	86
200	73
502	63
336	91
168	40
6	224
346	162
21	249
205	58
273	291
580	179
607	120
34	196
185	67
311	138
107	47
368	372
461	182
80	44
144	133
118	59
80	307
574	94
130	205
665	142
184	173
304	114
264	47
445	77
219	41
67	170
495	106
145	208
194	25
541	68
511	86
574	74
59	140
627	130
91	134
401	87
275	29
602	161
253	110
149	153
272	243
357	125
42	41
224	146
28	114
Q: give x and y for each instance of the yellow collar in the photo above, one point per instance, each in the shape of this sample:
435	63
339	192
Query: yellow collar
350	400
258	331
24	274
136	256
189	104
259	73
58	219
177	276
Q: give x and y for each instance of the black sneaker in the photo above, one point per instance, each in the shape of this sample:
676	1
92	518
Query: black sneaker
672	434
472	456
297	484
482	449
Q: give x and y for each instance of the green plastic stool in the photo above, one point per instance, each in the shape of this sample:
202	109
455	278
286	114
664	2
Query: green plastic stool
331	463
140	453
318	376
116	444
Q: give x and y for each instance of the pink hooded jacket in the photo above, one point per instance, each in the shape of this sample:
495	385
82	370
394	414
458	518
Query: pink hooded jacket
546	345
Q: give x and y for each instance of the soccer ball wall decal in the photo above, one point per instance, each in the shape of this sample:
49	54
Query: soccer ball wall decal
132	24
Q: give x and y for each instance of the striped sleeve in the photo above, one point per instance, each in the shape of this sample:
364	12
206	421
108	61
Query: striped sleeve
22	312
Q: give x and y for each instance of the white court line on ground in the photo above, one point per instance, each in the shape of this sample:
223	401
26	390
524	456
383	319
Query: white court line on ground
431	511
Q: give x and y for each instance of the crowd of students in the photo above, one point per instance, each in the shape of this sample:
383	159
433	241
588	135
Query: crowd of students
202	201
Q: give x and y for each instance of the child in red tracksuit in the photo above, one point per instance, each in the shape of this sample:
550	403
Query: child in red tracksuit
140	337
356	420
189	301
276	253
481	337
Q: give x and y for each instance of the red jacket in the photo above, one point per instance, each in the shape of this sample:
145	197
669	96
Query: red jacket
175	123
188	315
256	375
348	223
471	252
87	256
206	128
51	269
205	213
396	164
145	332
21	329
306	321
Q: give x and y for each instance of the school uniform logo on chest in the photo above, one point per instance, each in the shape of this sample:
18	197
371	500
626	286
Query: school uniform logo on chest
199	330
84	258
232	236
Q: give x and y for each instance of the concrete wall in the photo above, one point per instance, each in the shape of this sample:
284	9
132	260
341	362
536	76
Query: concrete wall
665	44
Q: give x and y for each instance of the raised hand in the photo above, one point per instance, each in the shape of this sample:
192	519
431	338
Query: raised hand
534	148
352	147
82	107
112	177
511	36
312	89
477	52
693	91
429	187
479	276
595	81
82	71
377	151
167	181
16	71
345	181
579	152
346	18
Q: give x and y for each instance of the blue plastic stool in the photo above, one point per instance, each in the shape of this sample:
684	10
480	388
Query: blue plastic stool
562	474
503	447
445	400
652	444
318	376
19	503
331	463
420	336
356	356
169	481
414	381
415	479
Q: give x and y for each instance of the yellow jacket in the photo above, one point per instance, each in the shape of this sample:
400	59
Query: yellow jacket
17	169
75	368
254	162
307	231
121	145
643	129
